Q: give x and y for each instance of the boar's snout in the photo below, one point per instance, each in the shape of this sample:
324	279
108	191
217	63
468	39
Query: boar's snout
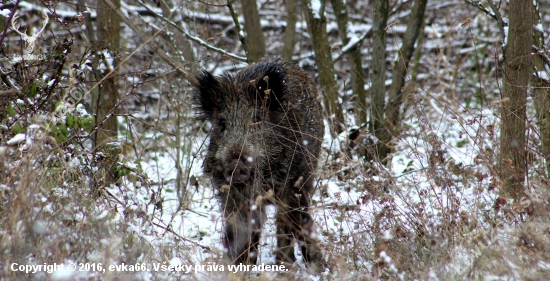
237	172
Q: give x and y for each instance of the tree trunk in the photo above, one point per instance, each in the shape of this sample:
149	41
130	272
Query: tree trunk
289	38
378	72
517	63
393	114
316	23
108	30
356	65
254	35
541	90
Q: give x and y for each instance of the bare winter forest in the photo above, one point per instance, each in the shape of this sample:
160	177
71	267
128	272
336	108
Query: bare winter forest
434	164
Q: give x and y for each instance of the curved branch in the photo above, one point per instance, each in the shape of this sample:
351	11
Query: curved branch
191	37
478	5
501	23
238	26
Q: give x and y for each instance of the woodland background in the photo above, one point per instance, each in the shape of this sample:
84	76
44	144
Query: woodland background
435	164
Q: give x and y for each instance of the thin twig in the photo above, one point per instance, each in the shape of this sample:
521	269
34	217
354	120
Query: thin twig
153	45
9	92
542	55
167	228
238	26
7	25
478	5
352	44
194	38
499	19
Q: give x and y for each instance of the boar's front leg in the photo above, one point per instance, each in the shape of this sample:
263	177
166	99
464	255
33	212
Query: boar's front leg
294	221
243	222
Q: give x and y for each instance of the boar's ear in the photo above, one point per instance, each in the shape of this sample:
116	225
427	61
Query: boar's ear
273	86
207	97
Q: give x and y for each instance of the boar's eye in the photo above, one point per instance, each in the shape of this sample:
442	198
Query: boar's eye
221	124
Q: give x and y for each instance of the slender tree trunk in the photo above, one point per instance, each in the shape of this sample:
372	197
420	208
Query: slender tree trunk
108	30
541	90
290	31
416	62
378	72
83	8
106	98
316	23
517	63
418	53
253	28
356	65
393	114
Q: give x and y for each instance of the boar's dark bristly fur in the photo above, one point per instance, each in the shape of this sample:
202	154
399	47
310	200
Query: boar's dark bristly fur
267	129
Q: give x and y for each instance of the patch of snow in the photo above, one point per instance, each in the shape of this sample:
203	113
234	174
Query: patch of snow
63	274
17	139
315	8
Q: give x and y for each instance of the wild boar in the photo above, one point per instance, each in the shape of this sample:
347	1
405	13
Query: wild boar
267	128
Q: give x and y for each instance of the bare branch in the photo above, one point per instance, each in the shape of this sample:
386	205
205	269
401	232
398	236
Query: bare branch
8	20
352	44
191	37
238	25
478	5
8	92
501	23
142	37
169	229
